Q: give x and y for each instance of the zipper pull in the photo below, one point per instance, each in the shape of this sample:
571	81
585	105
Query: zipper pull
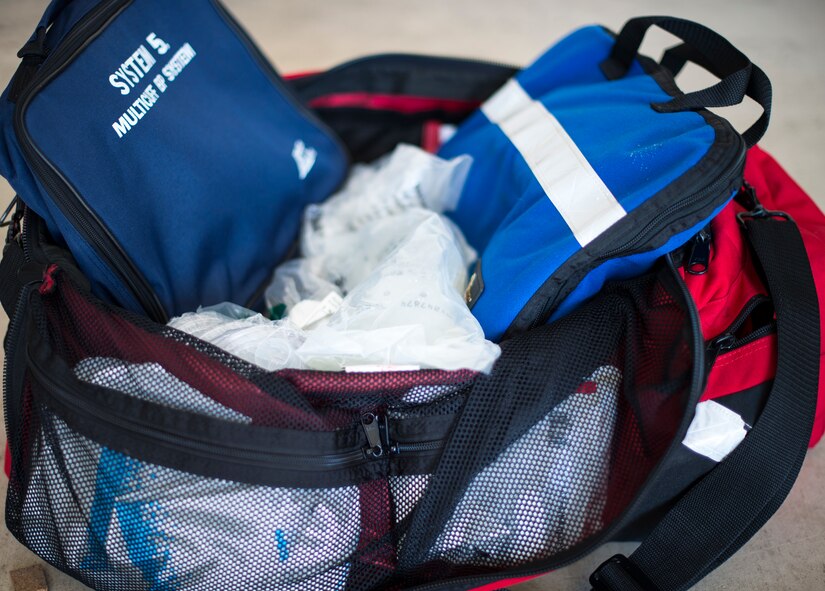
723	342
718	345
375	448
699	259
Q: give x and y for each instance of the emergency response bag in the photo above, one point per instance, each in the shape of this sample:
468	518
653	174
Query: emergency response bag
143	458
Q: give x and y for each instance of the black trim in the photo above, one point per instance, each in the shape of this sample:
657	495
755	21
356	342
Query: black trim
729	505
412	74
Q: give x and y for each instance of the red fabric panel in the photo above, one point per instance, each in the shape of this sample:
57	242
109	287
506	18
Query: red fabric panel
7	462
731	279
505	583
430	141
399	103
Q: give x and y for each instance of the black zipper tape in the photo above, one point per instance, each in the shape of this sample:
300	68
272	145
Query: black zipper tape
215	448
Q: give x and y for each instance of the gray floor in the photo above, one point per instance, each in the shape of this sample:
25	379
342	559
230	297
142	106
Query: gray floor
787	39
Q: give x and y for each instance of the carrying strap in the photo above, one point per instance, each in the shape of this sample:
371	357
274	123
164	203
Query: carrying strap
729	505
738	76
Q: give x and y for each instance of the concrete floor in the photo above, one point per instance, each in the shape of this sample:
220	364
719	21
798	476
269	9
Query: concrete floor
785	39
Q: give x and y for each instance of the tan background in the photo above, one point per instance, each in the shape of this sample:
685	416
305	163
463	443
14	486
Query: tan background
787	39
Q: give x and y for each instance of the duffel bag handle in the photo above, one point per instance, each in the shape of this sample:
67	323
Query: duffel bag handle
728	506
738	76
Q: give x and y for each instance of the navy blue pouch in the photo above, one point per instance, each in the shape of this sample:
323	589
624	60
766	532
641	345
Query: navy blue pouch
591	163
163	149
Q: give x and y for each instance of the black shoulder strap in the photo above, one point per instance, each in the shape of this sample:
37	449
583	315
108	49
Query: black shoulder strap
729	505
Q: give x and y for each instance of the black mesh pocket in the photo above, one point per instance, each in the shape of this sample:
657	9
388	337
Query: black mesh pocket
550	451
146	459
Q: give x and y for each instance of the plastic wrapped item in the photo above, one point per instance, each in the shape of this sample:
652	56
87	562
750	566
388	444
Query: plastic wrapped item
409	310
557	498
295	281
268	344
150	382
405	179
342	240
401	265
160	528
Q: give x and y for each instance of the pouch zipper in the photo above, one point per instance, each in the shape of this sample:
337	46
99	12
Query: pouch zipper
68	395
605	535
704	197
87	223
16	321
728	341
732	179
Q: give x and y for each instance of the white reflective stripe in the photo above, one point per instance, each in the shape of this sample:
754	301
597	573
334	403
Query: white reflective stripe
715	431
586	204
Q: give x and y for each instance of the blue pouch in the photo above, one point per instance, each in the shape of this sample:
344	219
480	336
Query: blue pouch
591	163
163	149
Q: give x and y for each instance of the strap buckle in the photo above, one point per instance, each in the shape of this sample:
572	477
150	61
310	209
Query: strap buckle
756	209
619	573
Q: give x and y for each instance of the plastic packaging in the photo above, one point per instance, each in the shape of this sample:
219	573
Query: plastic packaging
409	310
400	265
406	178
557	497
342	240
268	344
160	526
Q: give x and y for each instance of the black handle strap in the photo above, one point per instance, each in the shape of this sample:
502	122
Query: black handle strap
738	76
729	505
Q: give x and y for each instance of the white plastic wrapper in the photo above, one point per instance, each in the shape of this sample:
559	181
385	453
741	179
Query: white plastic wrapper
298	280
268	344
341	239
409	310
159	528
162	528
405	179
150	382
554	499
402	267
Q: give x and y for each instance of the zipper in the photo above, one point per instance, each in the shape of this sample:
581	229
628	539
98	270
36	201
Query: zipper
16	321
379	442
697	379
728	341
373	446
699	257
88	224
698	200
67	394
704	198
